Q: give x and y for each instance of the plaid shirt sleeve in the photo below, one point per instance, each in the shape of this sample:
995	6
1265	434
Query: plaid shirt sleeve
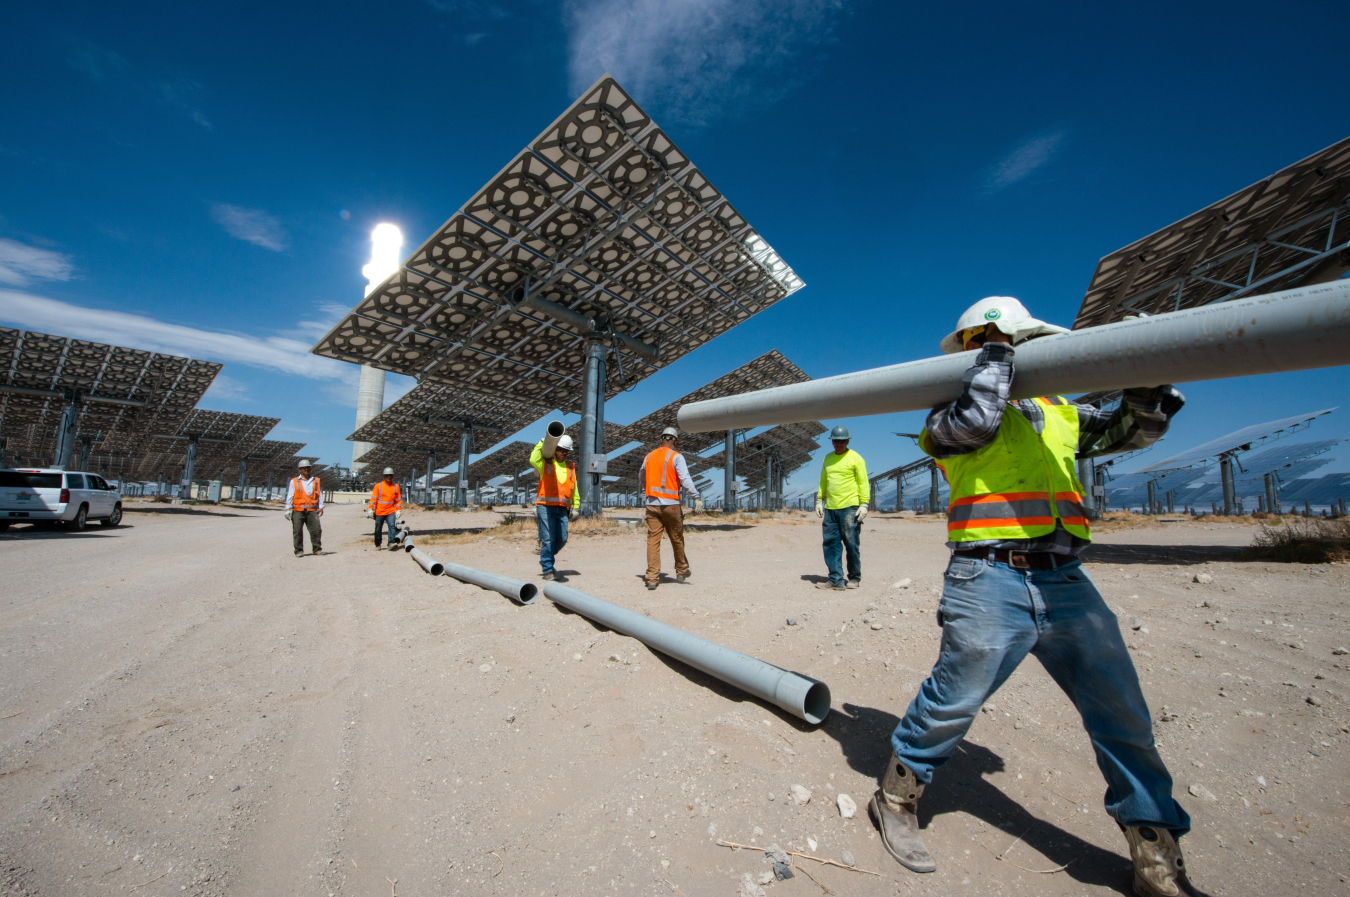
1140	420
972	421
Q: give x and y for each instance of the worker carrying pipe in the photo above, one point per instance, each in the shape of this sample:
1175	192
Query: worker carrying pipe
664	471
1014	586
842	504
385	508
558	500
304	507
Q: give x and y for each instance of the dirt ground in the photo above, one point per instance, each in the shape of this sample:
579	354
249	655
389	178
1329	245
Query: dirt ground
187	708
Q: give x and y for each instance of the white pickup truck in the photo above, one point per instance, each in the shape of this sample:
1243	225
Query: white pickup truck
46	495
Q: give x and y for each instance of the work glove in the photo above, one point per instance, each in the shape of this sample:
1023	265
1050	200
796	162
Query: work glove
574	514
698	504
820	508
370	514
288	514
861	514
398	516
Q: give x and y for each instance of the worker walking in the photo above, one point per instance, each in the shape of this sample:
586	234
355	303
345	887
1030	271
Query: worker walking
385	507
664	471
842	504
558	500
304	507
1014	586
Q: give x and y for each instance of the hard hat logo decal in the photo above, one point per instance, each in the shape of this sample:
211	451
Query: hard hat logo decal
993	314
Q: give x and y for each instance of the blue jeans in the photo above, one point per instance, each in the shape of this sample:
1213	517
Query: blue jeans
552	533
381	521
992	616
841	531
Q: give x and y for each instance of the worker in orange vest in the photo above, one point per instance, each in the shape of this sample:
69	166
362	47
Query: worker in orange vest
304	507
557	502
664	471
386	507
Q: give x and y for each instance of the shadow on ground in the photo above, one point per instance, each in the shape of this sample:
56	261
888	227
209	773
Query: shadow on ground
179	510
1098	553
38	531
716	527
864	734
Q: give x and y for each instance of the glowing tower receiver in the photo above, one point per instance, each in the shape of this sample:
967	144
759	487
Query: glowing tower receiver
386	248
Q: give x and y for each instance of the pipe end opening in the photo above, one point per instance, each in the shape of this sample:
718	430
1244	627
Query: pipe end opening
437	569
816	706
556	428
528	592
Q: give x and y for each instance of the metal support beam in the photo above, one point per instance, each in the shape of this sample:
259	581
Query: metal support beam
186	491
1152	497
65	435
462	478
592	427
1085	480
729	485
899	493
85	445
1272	496
243	477
933	483
1226	474
431	469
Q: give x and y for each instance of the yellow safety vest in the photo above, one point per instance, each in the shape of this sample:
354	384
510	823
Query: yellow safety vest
1019	485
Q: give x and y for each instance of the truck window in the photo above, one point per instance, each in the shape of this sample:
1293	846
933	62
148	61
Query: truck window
74	481
18	479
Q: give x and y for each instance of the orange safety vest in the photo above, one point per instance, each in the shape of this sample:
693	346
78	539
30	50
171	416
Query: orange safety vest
553	492
385	499
302	501
662	479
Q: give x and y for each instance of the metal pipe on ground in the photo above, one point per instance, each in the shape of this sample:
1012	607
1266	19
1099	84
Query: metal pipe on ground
807	699
1292	330
426	562
522	593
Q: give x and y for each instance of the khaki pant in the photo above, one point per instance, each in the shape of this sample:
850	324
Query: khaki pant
667	519
309	519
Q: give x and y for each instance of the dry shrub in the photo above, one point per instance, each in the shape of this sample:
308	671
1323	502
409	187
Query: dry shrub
1310	540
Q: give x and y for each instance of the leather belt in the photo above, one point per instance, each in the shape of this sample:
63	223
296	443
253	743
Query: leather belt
1020	560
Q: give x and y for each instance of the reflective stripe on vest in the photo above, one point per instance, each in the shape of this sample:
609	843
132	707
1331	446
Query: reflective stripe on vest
385	500
662	479
301	500
553	491
1022	484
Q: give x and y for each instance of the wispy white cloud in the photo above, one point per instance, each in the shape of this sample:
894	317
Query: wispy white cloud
275	353
251	225
98	63
1023	160
696	59
185	95
104	66
20	263
227	389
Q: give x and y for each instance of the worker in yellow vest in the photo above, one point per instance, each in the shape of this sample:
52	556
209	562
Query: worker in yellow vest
304	507
557	501
385	507
1014	586
842	504
664	471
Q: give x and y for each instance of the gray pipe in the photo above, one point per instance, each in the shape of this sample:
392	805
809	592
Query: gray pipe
519	592
807	699
552	433
1291	330
432	566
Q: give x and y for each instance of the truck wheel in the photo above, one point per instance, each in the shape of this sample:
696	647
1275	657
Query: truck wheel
81	517
114	518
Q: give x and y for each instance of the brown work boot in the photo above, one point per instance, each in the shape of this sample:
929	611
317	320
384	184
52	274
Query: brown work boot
894	809
1159	870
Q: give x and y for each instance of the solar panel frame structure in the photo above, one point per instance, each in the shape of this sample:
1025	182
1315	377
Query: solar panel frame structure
151	392
504	461
795	444
417	422
271	456
1284	231
601	214
1323	490
164	453
1235	440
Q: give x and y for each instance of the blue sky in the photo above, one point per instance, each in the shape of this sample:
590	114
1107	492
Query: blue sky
203	179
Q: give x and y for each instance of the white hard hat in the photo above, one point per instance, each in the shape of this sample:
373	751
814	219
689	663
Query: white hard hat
671	432
565	442
1009	315
305	462
388	472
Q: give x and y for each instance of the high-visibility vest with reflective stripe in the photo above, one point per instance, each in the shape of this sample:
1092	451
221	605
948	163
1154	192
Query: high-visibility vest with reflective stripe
302	501
386	499
662	479
556	485
1022	483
